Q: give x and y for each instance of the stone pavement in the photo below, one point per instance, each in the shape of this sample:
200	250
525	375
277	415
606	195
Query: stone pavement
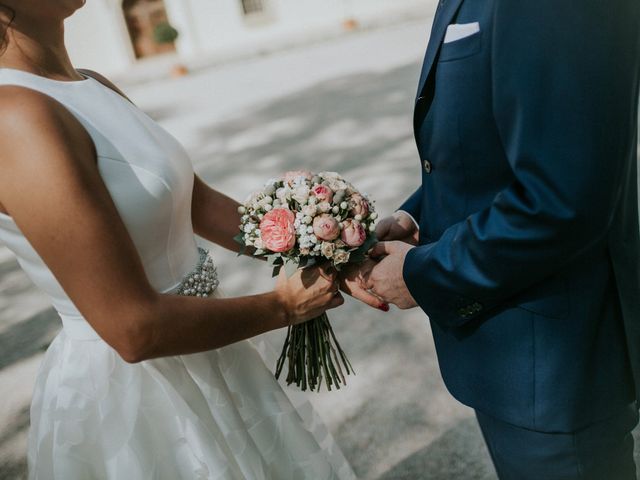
344	105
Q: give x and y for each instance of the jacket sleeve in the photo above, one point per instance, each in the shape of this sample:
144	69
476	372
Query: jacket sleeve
565	85
413	204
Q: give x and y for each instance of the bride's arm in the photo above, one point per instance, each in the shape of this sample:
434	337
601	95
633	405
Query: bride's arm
50	185
214	215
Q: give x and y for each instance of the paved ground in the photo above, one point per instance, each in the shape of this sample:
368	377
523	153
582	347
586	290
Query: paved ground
343	105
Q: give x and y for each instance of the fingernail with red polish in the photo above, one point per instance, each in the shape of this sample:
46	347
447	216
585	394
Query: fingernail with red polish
384	307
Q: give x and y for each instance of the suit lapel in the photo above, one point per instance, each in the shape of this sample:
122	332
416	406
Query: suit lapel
445	13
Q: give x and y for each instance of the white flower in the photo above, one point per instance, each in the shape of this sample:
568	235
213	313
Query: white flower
268	208
309	229
242	210
344	205
258	243
372	227
335	209
334	181
358	218
267	200
283	194
328	249
373	216
337	185
312	200
301	194
305	241
313	239
249	227
308	219
340	256
310	210
324	207
330	175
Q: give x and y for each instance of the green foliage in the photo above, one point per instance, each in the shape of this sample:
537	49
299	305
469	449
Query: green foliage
164	33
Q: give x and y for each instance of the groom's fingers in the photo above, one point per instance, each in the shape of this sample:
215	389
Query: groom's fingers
383	228
336	301
382	249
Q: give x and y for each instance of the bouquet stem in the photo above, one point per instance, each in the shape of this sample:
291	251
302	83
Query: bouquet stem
313	354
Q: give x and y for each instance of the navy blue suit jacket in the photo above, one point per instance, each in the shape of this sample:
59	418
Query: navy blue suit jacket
528	263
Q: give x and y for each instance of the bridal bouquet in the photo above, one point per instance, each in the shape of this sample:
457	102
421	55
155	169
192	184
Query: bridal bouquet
297	221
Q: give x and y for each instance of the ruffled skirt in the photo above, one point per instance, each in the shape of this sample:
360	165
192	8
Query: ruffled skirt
214	415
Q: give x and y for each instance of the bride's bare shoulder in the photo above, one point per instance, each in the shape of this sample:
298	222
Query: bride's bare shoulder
31	119
38	135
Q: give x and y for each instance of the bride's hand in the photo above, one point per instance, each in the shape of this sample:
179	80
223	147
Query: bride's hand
308	293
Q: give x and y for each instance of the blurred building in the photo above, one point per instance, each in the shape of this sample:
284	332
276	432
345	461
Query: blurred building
110	35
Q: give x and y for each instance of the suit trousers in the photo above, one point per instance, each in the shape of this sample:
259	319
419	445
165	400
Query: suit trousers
600	451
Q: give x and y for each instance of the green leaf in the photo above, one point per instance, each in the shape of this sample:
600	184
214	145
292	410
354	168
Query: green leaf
274	259
369	242
239	238
290	268
276	270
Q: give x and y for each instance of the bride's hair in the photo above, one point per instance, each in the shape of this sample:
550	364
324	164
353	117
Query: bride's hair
4	26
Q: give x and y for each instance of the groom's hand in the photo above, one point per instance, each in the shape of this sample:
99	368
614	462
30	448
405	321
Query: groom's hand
399	226
385	279
353	282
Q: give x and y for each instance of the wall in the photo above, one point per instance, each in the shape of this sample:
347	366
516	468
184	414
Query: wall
97	35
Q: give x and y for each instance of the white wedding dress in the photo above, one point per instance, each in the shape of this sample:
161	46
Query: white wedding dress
213	415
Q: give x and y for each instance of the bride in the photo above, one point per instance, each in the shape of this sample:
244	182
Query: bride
151	376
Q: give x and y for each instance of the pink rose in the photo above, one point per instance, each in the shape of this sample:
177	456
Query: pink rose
277	230
358	205
325	227
290	177
323	193
353	233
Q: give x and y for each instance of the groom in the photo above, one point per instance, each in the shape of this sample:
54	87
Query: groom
528	251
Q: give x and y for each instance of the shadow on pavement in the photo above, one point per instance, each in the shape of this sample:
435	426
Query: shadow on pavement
24	339
459	453
359	123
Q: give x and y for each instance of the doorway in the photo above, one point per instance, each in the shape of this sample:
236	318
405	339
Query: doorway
148	22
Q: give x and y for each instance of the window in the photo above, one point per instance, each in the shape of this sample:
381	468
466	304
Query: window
251	7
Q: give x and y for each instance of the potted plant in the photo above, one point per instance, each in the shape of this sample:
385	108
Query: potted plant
165	34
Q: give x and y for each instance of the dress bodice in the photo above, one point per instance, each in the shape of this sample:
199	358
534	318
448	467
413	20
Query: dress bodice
147	172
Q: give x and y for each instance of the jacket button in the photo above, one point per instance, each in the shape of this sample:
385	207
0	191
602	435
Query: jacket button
426	164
